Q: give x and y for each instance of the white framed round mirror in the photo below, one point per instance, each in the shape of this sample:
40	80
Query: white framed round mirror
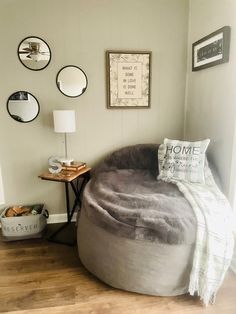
34	53
23	107
71	81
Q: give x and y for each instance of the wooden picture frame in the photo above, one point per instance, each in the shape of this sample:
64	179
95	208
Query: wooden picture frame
211	50
128	79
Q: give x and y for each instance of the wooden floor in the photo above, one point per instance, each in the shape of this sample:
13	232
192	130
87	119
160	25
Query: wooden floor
38	276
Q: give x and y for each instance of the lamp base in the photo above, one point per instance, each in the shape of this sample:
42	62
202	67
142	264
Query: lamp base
65	161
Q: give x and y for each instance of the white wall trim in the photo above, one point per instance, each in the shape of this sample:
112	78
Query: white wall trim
59	218
188	70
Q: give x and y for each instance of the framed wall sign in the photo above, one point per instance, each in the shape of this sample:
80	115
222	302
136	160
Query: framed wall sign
128	79
211	50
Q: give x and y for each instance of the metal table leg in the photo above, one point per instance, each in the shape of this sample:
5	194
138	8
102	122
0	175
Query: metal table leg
77	203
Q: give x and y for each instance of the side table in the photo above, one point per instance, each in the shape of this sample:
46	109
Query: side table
77	180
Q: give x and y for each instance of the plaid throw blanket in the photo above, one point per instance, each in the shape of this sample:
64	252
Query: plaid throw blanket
214	240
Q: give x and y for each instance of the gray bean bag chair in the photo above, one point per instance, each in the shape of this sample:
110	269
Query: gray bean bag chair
134	232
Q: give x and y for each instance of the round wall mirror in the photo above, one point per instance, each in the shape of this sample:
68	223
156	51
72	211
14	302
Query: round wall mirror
71	81
34	53
23	106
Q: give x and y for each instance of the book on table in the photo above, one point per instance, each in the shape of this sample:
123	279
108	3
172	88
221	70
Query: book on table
75	166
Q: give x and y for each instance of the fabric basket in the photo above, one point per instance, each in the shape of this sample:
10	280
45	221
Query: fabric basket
24	227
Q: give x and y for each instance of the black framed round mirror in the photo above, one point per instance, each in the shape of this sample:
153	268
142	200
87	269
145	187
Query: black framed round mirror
34	53
71	81
23	107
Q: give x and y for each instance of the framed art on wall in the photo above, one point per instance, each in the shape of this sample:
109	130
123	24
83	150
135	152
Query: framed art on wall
128	79
211	50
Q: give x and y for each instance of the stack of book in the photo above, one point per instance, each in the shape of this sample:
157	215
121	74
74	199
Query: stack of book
74	166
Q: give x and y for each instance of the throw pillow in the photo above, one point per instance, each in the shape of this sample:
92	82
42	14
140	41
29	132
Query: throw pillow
182	160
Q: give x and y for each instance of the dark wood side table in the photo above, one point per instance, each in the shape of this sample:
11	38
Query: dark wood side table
77	180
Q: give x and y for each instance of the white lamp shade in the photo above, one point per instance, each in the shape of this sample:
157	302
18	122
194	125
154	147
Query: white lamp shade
2	200
64	121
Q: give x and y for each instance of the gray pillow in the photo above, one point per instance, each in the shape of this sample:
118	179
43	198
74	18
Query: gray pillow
182	160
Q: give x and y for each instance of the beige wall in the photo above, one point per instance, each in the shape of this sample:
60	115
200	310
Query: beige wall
79	32
211	93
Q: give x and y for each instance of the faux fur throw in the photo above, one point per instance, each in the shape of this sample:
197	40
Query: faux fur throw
125	198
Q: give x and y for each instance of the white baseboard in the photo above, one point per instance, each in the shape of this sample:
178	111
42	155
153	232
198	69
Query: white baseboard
59	218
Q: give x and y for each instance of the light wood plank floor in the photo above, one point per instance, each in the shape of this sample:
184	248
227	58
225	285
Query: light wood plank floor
42	277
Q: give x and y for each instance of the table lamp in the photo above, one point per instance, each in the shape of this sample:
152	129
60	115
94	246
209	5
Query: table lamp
2	199
64	122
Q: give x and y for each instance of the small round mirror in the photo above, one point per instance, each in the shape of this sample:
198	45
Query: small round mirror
71	81
34	53
23	106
